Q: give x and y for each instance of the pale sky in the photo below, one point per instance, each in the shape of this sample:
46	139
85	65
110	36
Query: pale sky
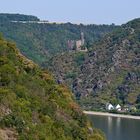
76	11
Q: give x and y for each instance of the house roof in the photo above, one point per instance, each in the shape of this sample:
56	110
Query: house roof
118	106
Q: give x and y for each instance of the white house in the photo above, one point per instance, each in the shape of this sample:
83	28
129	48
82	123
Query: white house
118	108
109	106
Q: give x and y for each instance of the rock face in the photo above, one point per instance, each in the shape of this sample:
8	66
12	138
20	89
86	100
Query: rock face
108	72
33	106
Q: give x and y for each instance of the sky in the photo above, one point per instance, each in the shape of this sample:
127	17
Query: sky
76	11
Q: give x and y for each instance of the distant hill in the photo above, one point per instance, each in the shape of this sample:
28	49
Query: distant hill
109	72
33	106
42	41
17	17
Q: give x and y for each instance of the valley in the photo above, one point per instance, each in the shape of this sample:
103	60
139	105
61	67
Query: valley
108	72
69	70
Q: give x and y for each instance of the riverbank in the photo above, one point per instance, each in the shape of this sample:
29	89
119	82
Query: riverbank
111	115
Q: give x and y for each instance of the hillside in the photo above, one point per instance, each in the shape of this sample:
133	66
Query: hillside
33	106
17	17
40	41
109	72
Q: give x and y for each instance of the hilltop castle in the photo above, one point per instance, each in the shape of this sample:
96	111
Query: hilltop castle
77	45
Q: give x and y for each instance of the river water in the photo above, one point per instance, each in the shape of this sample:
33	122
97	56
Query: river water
117	128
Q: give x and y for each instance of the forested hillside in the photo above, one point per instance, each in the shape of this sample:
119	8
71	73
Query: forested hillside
40	41
109	72
17	17
33	106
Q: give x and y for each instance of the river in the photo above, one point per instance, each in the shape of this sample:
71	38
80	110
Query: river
117	128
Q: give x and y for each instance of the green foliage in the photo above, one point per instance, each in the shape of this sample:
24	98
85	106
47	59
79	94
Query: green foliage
33	105
71	75
42	41
17	17
80	58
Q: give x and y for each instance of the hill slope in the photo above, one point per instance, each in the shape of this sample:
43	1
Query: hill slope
40	41
33	106
110	72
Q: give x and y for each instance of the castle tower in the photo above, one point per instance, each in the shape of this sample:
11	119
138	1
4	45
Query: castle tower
82	39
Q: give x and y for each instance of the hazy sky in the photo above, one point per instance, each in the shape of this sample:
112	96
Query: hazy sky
76	11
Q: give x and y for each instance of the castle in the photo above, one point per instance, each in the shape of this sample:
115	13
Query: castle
77	45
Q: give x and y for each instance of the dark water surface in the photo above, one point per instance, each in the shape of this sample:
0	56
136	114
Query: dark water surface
117	128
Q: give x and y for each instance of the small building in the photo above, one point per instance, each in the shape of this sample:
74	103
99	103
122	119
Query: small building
118	107
133	108
109	106
126	108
